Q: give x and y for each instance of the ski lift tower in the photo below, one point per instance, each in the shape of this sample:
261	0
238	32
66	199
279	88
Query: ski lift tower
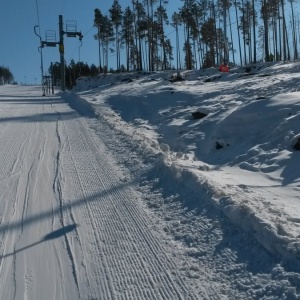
71	31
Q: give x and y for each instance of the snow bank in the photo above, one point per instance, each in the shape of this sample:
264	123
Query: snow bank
253	178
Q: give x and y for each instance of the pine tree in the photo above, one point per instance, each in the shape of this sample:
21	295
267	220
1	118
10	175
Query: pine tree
6	77
189	22
162	19
128	33
139	18
98	22
116	19
176	22
208	36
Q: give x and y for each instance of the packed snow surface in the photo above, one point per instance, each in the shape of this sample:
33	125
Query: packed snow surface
139	186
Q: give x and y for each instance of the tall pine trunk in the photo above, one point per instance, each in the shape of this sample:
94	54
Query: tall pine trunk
254	31
238	31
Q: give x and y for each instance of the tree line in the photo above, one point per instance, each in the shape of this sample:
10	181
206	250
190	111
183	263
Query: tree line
6	76
72	72
204	31
208	28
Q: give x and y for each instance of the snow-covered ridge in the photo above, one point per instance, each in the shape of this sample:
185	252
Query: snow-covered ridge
253	114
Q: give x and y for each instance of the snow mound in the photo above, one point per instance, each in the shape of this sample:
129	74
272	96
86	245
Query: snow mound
252	176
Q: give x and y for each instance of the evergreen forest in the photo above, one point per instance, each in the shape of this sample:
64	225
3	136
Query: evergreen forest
208	33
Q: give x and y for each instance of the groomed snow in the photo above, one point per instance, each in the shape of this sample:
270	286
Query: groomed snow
115	191
254	115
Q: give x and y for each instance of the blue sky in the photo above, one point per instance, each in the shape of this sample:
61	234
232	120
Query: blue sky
19	44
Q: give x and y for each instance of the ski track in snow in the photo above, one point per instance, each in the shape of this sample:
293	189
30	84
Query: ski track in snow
219	260
26	175
87	212
219	251
53	176
124	250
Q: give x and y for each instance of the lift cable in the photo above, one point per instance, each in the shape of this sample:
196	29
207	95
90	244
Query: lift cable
38	16
79	44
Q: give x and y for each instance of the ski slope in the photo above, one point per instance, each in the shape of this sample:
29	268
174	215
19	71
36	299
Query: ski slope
92	208
71	228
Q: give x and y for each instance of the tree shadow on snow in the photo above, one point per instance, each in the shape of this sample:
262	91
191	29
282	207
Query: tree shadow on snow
37	117
12	226
50	236
44	117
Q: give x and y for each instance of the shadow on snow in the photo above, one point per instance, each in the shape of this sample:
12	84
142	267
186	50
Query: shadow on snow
50	236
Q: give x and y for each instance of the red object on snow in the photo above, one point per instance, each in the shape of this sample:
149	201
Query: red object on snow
224	68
